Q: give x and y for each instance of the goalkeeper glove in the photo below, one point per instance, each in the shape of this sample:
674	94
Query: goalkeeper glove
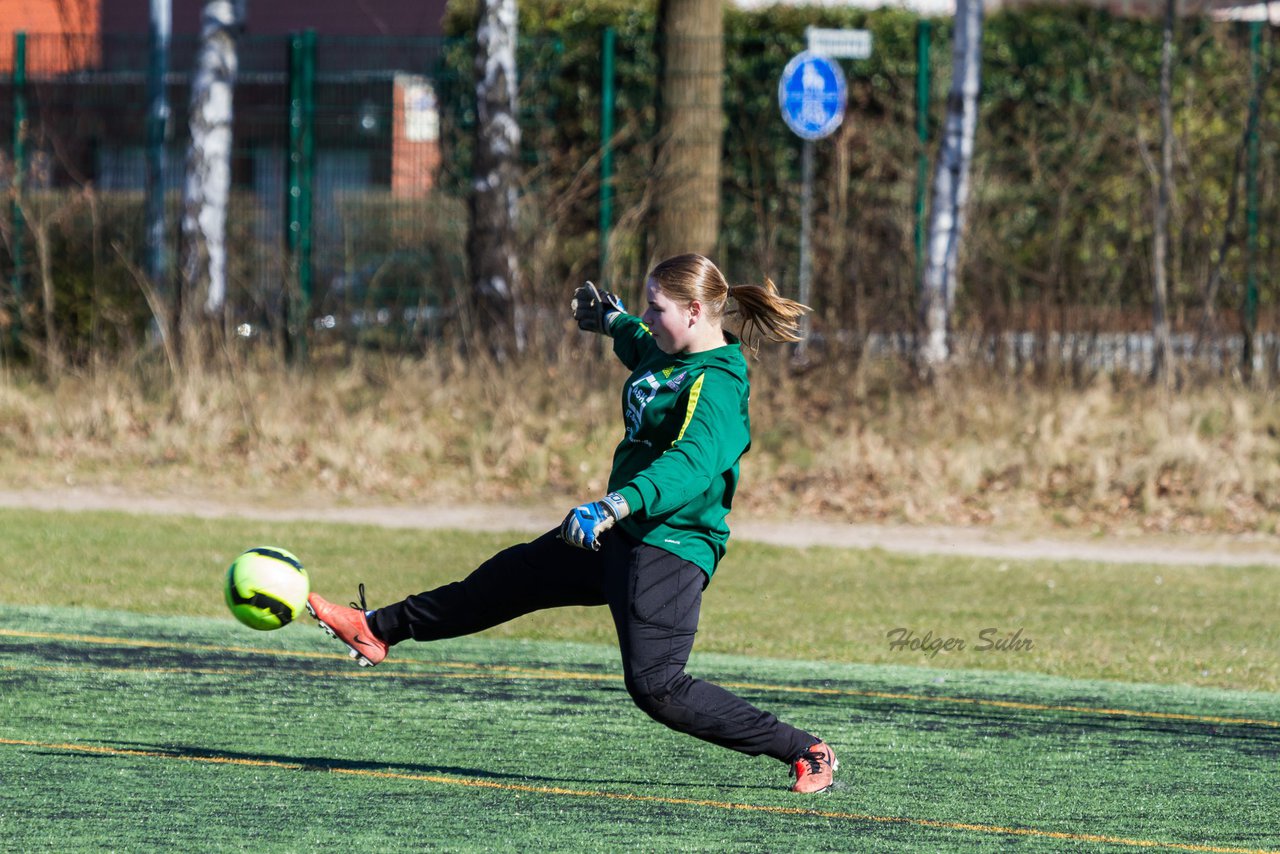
594	309
587	522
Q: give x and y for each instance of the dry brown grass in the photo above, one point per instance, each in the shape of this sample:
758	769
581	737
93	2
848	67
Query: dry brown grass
991	450
858	445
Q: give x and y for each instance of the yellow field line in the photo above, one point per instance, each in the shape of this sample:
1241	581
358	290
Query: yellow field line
935	824
496	670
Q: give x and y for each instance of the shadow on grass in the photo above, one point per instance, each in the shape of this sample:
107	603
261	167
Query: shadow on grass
1127	733
232	757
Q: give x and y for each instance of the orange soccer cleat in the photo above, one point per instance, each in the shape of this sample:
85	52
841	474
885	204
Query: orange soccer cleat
815	769
350	626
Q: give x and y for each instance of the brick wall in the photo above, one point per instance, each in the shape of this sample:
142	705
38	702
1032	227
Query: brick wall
415	129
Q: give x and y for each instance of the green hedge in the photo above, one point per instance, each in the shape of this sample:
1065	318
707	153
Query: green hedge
1060	231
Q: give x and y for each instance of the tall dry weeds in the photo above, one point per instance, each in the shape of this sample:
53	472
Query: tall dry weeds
833	443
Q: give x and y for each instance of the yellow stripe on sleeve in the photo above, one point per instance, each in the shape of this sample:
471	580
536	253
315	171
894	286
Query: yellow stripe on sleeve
694	393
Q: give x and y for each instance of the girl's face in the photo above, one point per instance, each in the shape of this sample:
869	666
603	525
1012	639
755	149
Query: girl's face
669	322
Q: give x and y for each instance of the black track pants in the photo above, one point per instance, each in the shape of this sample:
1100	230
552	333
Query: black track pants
654	597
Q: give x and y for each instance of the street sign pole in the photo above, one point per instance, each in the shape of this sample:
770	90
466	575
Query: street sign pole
806	238
811	94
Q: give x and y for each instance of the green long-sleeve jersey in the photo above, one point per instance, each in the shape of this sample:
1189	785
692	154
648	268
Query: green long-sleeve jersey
687	425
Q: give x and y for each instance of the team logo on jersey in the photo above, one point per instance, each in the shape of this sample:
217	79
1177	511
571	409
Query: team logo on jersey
642	392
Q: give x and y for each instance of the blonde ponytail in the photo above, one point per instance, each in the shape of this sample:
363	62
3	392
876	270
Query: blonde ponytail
766	314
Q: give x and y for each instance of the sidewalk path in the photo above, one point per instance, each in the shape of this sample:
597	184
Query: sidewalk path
970	542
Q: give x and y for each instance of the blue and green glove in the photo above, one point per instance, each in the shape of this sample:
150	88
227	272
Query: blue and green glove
586	523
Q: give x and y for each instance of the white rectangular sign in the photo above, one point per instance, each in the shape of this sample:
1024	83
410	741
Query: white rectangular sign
421	109
839	44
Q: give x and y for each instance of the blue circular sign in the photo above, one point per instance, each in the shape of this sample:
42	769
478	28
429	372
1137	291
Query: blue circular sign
812	95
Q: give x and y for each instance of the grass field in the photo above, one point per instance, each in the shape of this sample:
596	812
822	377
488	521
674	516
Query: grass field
1211	626
136	715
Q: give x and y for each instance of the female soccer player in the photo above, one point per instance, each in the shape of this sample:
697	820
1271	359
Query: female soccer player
649	547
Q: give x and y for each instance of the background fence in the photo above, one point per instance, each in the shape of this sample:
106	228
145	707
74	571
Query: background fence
1056	269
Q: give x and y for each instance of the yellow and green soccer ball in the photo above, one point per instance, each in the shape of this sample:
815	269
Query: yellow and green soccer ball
267	588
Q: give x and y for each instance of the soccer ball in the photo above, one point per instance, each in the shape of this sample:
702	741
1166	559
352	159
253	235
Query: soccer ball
266	588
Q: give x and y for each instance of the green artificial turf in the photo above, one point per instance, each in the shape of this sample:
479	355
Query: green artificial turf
135	714
137	732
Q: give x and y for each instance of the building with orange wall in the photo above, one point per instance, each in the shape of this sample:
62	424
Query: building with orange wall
68	36
76	20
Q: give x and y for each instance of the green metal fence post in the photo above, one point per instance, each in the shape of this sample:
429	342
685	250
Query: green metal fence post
607	99
19	174
302	63
308	164
160	34
923	32
1249	315
293	187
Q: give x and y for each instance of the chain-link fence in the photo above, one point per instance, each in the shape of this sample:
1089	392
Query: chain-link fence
1056	267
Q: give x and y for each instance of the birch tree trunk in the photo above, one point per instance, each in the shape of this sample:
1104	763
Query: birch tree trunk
1164	193
491	237
207	186
938	280
690	121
